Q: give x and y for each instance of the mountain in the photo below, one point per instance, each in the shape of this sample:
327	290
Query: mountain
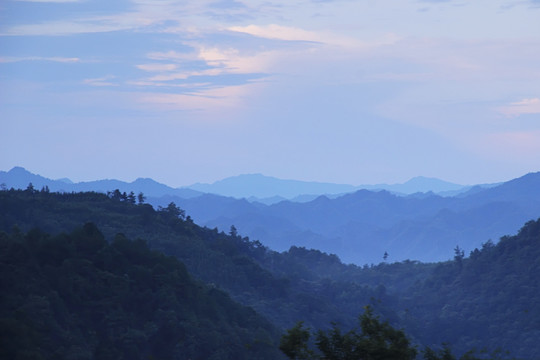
19	178
260	186
254	187
78	296
90	288
419	184
266	187
361	226
467	302
251	273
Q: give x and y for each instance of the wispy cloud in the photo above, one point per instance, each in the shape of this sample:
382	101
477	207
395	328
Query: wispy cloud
51	1
102	81
157	67
524	106
274	31
288	33
39	58
209	100
68	27
211	62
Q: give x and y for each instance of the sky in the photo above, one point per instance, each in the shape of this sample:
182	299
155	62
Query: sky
343	91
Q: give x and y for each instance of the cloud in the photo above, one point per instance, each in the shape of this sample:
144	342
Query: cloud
288	33
171	56
157	67
51	1
40	58
207	61
102	81
524	106
274	31
208	100
63	28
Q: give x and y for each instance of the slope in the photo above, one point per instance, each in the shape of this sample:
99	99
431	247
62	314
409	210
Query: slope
76	296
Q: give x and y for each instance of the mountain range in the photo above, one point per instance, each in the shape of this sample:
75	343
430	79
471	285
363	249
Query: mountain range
269	189
362	226
72	289
254	187
359	226
19	178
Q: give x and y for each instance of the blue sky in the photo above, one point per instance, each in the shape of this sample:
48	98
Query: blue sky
341	91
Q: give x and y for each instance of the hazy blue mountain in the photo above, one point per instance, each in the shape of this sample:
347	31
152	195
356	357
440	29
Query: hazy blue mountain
265	187
361	226
60	286
254	187
65	180
19	178
266	201
260	186
418	184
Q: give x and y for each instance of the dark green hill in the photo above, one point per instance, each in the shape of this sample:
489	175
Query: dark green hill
248	271
489	299
360	227
75	296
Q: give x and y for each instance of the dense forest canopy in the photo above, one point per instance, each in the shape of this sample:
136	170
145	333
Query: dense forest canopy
486	299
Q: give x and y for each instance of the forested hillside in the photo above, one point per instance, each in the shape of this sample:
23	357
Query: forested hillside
488	299
75	296
250	272
360	227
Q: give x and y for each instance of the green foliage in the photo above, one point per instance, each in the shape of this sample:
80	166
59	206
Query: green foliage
77	296
487	300
375	340
294	344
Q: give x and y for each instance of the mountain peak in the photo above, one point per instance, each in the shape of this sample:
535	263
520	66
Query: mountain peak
16	170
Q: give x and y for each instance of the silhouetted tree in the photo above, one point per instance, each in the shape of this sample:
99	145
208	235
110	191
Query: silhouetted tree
141	198
376	340
30	188
294	343
131	197
173	211
233	231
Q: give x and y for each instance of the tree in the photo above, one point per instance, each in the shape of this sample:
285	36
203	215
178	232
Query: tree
30	188
115	195
385	256
294	344
173	211
131	197
233	231
376	341
141	198
459	254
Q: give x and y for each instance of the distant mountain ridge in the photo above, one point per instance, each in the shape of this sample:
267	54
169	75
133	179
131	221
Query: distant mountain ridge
361	226
358	226
254	187
267	187
260	186
19	178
